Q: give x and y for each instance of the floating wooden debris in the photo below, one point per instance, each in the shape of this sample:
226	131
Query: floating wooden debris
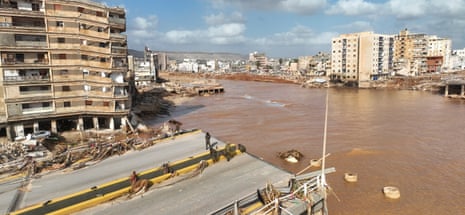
291	156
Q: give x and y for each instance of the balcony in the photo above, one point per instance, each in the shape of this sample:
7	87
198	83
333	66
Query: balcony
117	22
28	78
90	48
119	65
67	45
26	22
94	33
100	92
120	92
122	106
36	91
36	110
118	36
25	59
40	44
117	50
95	64
32	8
98	79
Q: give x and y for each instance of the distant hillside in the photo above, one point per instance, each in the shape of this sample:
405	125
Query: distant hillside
194	55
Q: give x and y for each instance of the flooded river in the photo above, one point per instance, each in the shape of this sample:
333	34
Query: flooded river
409	139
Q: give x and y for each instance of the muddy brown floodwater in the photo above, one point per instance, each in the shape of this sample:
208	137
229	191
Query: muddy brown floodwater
414	140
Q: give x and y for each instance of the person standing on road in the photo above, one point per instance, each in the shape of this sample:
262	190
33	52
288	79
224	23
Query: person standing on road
134	177
207	141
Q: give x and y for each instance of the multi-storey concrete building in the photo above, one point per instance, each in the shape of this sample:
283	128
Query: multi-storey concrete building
416	54
457	61
410	53
146	69
63	66
360	57
439	50
258	60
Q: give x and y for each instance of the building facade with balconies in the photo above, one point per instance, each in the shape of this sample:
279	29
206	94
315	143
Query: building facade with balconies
63	65
410	53
358	58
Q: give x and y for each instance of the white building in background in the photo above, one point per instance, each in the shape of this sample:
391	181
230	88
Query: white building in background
258	59
457	61
212	65
188	65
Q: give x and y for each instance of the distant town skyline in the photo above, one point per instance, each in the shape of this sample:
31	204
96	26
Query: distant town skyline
281	28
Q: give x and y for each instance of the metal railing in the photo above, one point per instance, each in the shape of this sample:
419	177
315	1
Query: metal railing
308	187
26	78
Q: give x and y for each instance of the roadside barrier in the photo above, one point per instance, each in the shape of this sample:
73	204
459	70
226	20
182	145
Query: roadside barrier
105	192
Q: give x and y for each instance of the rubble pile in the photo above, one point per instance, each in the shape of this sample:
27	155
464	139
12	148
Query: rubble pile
56	153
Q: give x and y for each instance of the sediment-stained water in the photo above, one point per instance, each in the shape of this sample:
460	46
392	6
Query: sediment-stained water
413	140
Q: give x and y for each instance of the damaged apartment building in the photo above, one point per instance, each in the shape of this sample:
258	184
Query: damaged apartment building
63	66
147	67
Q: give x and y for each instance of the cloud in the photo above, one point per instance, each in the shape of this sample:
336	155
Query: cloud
181	36
149	23
414	9
352	8
306	7
357	26
222	30
298	35
218	19
226	30
303	6
407	9
143	27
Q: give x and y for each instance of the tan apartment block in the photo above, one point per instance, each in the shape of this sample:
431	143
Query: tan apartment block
361	57
414	53
63	66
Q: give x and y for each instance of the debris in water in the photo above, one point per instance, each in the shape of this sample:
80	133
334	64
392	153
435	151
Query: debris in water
291	156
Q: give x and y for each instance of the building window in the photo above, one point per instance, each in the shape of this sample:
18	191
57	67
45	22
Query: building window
106	104
57	7
63	72
35	7
80	9
100	29
67	104
60	24
88	102
84	57
61	40
66	88
62	56
99	14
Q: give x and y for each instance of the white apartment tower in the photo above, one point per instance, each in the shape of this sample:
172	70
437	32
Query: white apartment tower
358	58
